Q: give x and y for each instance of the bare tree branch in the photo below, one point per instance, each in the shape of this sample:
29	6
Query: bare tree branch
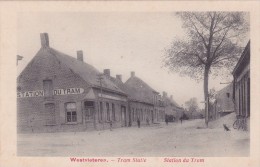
203	40
211	46
223	38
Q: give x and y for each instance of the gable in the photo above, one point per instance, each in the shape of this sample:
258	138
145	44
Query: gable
46	66
139	90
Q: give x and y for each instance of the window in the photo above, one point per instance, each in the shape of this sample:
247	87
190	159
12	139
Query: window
142	115
133	112
108	112
239	101
136	115
228	94
71	112
89	109
113	112
47	87
248	97
100	111
244	98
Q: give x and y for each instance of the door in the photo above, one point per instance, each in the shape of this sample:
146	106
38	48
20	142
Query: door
123	115
130	117
89	111
152	116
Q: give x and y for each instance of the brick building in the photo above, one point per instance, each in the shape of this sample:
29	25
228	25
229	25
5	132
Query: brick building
172	109
56	92
241	74
223	103
144	102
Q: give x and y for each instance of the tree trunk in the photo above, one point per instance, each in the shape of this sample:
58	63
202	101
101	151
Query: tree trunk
206	84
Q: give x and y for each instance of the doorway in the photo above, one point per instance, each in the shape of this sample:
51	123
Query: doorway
123	116
152	116
89	110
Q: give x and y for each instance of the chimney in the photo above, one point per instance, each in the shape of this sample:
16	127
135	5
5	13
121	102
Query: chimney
80	55
132	74
107	72
119	77
164	94
44	40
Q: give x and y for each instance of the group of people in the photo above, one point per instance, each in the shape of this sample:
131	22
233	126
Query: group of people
147	122
139	122
167	119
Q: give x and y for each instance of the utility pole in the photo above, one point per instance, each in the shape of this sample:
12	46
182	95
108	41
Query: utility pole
100	80
207	111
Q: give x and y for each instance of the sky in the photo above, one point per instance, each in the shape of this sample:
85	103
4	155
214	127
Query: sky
122	42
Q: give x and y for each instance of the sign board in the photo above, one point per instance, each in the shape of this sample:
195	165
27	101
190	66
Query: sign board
37	93
111	97
40	93
69	91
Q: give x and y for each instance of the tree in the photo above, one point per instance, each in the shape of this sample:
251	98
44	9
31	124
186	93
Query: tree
212	95
212	44
212	98
192	105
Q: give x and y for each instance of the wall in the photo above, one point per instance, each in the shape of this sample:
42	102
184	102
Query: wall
242	93
31	115
136	109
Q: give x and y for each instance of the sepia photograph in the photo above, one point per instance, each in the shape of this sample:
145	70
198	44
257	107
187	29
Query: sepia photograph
127	83
133	84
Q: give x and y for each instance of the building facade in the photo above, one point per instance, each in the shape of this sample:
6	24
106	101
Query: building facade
172	109
241	74
223	104
145	103
57	92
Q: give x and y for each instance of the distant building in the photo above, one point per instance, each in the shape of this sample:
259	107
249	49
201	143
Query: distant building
138	106
144	102
223	103
241	74
172	109
56	92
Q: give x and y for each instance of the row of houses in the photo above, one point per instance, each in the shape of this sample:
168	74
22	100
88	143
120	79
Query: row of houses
235	97
56	92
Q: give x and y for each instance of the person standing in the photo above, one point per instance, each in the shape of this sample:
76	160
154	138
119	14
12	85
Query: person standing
111	125
138	122
147	121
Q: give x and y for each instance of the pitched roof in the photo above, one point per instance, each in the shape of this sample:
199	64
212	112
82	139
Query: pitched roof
118	83
171	101
87	72
245	56
138	90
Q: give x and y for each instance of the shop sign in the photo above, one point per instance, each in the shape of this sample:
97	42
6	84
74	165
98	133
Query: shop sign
111	97
69	91
37	93
40	93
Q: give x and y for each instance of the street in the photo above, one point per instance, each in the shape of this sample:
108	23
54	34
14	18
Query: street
176	139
